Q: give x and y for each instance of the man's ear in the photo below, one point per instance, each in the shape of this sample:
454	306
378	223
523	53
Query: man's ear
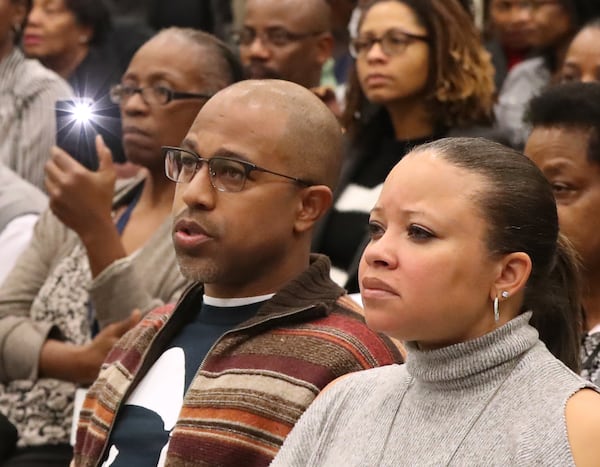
324	47
313	203
514	270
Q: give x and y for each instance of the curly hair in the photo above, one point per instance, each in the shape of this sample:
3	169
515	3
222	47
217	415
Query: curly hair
460	87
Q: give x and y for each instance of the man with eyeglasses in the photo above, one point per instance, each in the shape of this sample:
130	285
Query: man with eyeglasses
286	39
229	370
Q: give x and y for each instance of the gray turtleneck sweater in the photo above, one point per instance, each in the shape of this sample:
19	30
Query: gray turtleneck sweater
497	400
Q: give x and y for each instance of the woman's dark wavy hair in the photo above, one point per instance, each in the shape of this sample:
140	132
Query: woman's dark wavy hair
518	204
460	86
93	14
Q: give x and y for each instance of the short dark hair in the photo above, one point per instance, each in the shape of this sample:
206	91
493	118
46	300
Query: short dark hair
94	14
570	105
519	207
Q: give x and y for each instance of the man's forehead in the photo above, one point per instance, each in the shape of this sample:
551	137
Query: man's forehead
240	117
279	12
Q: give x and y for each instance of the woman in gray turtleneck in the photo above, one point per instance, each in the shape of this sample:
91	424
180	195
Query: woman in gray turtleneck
466	266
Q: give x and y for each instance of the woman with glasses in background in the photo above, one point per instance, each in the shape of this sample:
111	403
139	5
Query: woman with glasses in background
421	73
96	255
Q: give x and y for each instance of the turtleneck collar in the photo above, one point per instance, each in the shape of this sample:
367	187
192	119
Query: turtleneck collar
474	362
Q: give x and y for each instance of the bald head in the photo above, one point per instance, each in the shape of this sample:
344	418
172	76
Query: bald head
309	142
286	39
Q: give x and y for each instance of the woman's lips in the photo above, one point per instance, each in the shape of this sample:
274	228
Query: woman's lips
373	287
32	40
376	79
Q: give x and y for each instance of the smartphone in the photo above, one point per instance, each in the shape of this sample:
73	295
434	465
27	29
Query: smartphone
78	121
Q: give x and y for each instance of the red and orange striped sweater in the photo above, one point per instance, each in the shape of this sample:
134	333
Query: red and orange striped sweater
254	383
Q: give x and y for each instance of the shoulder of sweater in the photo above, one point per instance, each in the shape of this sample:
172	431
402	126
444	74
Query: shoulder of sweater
345	326
33	78
387	379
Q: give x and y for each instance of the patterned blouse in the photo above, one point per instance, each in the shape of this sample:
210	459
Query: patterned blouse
590	357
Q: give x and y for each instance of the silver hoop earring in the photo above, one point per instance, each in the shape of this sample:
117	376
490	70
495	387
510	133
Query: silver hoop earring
496	310
504	295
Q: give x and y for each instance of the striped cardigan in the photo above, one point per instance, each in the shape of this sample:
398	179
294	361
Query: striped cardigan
254	383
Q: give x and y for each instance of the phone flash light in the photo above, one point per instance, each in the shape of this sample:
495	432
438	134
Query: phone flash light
81	111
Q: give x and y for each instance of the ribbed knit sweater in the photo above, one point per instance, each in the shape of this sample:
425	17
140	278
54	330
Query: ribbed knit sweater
255	381
497	400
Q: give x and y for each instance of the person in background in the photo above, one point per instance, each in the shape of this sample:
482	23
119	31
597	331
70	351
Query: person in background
421	73
582	62
212	16
66	36
221	378
97	254
472	300
20	206
509	24
28	92
286	39
555	22
335	70
565	144
77	40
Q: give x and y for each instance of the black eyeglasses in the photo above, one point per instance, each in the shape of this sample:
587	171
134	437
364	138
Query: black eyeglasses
152	95
278	37
392	42
226	174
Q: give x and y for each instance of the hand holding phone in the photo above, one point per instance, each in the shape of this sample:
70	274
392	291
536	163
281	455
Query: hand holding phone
80	198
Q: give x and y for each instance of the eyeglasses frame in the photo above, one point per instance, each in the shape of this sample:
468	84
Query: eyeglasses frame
171	94
248	168
264	37
379	40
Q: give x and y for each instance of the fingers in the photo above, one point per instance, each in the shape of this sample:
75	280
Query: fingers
121	327
105	160
62	159
134	318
